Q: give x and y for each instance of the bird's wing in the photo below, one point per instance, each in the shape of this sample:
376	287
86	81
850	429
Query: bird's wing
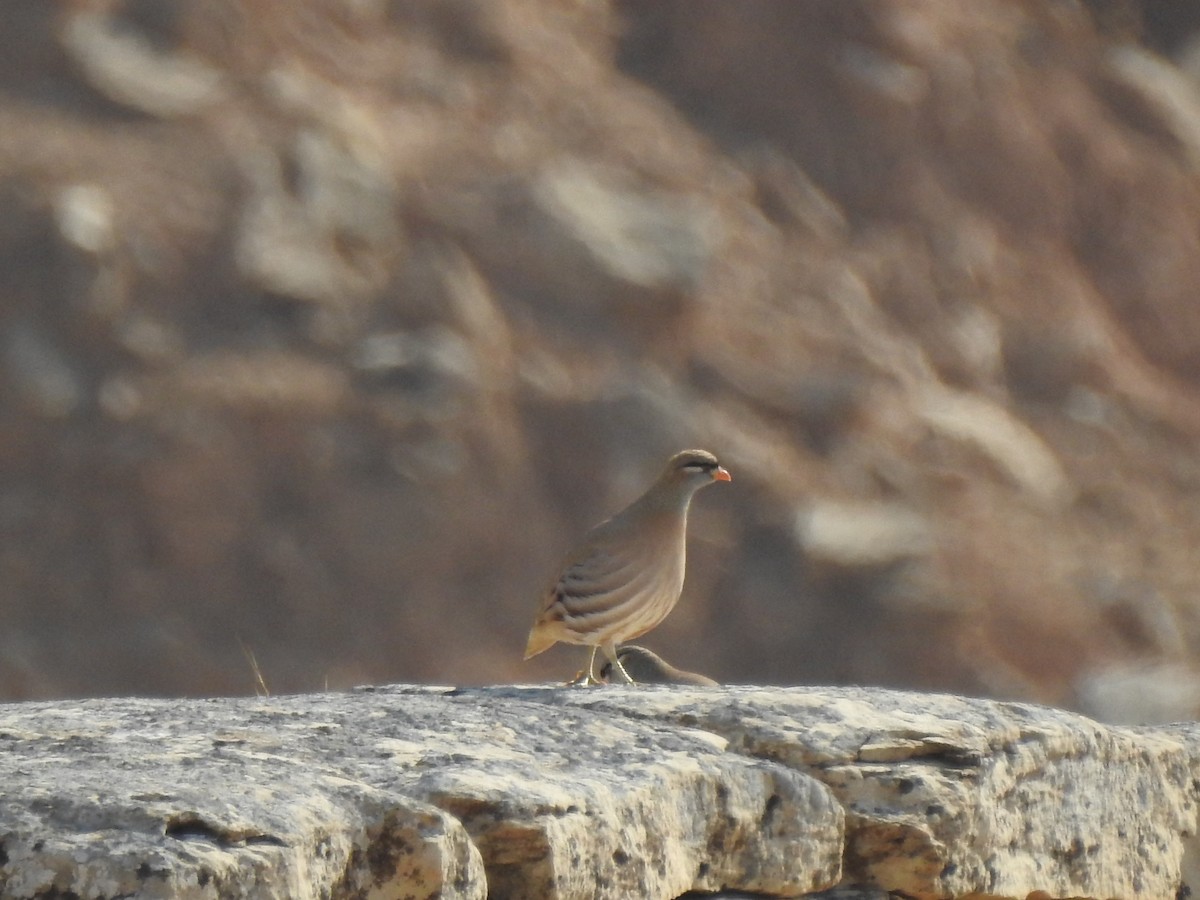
589	577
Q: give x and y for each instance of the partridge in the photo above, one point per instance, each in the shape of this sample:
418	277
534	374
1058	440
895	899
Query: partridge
647	667
626	575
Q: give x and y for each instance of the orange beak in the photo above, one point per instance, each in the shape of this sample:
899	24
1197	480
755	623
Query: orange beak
720	473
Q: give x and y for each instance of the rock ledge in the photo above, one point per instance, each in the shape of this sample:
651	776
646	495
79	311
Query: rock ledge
609	792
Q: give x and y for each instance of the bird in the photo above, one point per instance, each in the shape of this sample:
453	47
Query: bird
647	667
626	574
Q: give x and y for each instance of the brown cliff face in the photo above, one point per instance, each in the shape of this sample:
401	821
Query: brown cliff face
322	333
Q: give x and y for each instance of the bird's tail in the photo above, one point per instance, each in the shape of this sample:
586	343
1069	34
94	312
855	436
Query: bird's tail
540	638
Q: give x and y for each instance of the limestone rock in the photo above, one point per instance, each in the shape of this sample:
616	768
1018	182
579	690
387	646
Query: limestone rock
376	794
124	67
554	792
947	796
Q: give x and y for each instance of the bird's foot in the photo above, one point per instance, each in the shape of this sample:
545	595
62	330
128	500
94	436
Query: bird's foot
583	678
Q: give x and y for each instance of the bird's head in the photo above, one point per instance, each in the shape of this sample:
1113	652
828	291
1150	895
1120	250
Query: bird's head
695	468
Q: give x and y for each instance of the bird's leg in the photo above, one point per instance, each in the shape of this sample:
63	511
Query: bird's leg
592	677
587	676
610	650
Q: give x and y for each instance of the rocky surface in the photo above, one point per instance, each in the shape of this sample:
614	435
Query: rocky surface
325	327
589	793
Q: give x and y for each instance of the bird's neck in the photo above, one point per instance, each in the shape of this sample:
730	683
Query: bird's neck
667	500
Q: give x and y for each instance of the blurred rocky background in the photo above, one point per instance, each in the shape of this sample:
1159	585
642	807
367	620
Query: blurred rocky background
327	325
